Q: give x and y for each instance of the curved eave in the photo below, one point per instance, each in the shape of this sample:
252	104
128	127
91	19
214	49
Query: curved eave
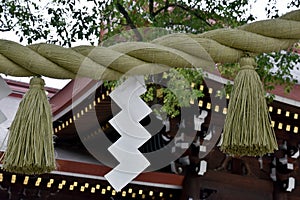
62	101
291	98
73	93
20	88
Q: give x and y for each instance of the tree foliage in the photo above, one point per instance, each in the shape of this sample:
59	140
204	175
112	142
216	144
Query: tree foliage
61	21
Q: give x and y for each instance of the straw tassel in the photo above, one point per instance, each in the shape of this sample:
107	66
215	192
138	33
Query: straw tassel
247	129
30	147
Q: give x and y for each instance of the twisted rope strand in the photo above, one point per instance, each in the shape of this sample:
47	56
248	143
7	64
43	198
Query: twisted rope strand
174	50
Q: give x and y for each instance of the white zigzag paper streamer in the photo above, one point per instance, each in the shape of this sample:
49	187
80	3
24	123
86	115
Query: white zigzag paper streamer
4	92
133	134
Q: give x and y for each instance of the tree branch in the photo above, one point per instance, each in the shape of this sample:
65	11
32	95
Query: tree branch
183	8
151	7
5	29
122	10
167	5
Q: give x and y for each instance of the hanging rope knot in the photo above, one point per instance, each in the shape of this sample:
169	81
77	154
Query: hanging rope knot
247	130
247	67
37	82
30	147
247	63
244	61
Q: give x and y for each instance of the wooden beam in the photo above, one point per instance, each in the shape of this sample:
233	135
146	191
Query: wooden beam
101	170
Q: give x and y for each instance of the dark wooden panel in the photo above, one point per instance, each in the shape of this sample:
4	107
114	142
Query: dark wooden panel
228	186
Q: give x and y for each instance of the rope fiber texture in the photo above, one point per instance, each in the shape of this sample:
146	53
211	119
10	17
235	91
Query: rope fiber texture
138	58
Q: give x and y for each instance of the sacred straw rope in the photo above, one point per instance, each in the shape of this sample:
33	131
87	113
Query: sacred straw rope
174	50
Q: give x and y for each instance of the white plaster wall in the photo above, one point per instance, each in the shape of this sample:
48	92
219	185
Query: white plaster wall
8	106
